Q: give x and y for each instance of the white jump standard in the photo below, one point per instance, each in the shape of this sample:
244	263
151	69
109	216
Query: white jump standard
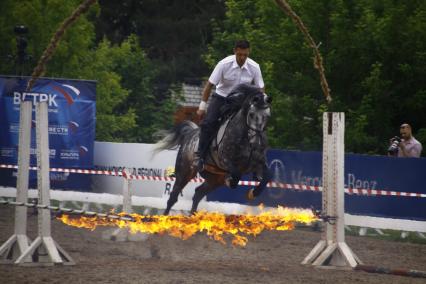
332	250
48	252
19	241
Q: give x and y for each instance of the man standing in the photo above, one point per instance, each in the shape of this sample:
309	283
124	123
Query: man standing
409	146
228	73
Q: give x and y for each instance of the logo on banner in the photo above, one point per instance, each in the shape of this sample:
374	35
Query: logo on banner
277	169
68	92
68	95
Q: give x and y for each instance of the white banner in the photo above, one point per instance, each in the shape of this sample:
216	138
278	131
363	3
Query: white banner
139	160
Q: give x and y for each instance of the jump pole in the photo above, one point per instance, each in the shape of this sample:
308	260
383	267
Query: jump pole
19	241
43	250
122	234
332	250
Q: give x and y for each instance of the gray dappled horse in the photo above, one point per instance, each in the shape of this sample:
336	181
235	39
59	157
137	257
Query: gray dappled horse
239	147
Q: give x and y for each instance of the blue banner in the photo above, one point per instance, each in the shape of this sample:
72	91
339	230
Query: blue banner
72	122
361	172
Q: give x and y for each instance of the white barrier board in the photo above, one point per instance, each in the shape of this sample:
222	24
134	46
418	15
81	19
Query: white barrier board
138	159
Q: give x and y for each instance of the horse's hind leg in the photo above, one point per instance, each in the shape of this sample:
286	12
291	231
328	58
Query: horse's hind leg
200	192
180	183
211	183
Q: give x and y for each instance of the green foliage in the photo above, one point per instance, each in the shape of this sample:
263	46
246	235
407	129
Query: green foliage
421	137
42	19
99	65
138	107
374	56
173	33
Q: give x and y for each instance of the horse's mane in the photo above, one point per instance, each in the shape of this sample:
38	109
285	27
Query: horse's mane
243	95
248	90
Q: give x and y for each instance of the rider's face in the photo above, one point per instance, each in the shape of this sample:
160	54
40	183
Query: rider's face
241	55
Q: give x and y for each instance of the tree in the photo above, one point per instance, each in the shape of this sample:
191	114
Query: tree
126	110
374	57
126	74
174	34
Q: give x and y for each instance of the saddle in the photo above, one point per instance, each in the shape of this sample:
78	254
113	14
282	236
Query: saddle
228	111
212	161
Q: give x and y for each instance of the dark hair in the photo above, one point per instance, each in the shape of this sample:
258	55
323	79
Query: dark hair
243	44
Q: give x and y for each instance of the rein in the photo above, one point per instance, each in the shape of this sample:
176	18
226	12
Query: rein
253	133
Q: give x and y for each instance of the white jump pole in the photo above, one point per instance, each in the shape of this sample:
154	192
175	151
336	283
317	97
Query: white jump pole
44	250
122	234
332	250
19	241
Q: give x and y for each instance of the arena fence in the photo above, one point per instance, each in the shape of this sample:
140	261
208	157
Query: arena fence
330	251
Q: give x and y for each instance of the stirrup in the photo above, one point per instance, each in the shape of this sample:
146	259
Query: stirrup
200	165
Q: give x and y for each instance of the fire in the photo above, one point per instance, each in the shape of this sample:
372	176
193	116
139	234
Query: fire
215	225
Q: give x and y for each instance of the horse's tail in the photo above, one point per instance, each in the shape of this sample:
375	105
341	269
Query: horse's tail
177	136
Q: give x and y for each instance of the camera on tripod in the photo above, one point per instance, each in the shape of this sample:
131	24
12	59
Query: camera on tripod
393	148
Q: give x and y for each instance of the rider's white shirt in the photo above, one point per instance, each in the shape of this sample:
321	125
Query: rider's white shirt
227	74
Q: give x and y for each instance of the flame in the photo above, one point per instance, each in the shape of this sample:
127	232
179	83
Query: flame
215	225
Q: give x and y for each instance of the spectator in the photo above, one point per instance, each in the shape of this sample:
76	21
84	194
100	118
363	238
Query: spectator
407	145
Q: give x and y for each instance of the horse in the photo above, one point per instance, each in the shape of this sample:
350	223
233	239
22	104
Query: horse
238	148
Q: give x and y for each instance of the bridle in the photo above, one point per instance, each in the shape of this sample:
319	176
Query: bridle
255	135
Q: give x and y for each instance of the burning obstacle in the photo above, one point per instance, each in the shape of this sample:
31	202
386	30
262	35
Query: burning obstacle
331	250
215	225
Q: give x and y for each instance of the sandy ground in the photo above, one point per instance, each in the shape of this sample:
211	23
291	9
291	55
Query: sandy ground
272	257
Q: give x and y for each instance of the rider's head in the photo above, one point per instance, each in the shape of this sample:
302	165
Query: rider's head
241	51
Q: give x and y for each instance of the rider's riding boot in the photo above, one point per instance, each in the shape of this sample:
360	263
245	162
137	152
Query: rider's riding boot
203	146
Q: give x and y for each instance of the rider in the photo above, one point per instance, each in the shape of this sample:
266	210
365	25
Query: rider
229	72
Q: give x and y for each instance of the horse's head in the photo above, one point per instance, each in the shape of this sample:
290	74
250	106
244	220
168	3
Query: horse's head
254	110
258	111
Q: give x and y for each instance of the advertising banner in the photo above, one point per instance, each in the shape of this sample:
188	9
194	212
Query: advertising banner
72	122
361	172
293	167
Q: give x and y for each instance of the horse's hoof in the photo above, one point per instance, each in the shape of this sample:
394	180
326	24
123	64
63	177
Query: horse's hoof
228	182
250	194
231	182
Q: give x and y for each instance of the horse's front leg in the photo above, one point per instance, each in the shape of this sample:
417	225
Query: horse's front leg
265	178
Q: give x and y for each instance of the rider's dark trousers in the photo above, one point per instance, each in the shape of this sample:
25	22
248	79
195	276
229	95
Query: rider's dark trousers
210	123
